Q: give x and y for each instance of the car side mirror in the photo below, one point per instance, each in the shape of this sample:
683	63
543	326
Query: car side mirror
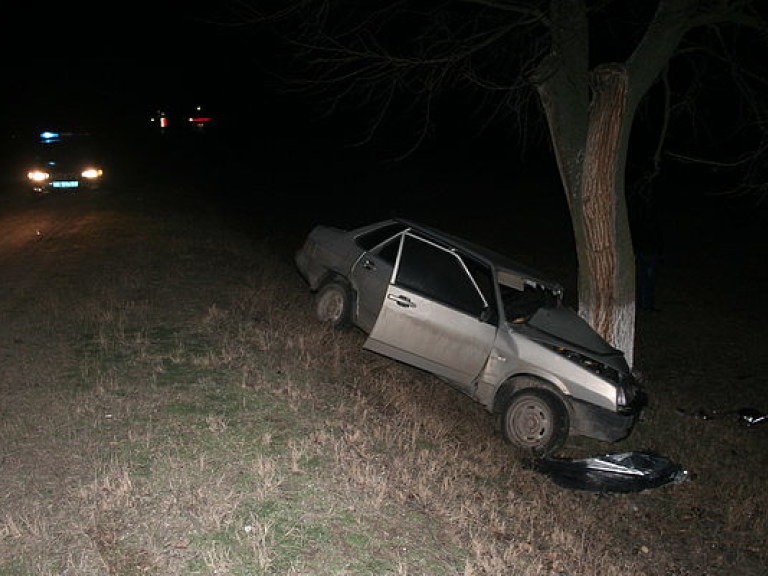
485	314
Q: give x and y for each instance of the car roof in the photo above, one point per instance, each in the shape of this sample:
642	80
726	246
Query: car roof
499	261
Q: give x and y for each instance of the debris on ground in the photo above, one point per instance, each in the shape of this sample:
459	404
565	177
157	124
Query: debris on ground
625	472
745	416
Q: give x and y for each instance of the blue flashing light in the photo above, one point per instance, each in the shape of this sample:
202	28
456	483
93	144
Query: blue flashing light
49	136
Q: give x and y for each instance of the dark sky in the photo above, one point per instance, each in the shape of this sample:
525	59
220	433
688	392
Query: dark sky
122	59
121	62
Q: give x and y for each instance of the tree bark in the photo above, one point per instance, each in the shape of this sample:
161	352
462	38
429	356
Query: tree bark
562	83
606	258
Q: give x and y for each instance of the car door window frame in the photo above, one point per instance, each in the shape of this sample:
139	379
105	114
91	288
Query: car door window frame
438	295
389	250
371	239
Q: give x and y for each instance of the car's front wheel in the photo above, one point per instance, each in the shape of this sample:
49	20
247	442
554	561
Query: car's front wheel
333	304
535	420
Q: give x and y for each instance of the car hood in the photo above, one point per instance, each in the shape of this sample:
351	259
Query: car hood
562	327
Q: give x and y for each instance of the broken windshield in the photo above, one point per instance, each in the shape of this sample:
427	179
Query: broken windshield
521	304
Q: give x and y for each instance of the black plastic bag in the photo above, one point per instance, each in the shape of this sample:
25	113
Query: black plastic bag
625	472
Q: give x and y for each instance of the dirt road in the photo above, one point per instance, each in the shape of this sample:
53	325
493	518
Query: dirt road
48	247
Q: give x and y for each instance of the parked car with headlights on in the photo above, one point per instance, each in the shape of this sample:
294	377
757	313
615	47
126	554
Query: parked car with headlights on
65	161
494	329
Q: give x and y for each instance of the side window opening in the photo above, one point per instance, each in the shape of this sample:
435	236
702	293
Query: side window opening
484	280
438	274
388	252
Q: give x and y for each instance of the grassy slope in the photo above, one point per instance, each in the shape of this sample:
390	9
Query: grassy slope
169	406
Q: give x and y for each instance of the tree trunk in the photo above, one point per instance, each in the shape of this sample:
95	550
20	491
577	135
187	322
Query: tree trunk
590	137
604	247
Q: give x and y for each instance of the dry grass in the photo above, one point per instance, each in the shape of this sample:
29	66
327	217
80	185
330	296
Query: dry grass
194	419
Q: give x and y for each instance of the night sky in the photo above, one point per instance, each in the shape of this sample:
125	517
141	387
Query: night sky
116	65
120	62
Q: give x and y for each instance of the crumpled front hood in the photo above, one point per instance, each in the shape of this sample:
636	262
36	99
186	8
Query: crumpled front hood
561	326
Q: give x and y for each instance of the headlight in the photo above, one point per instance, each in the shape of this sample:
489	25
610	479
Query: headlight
92	173
630	396
622	401
38	175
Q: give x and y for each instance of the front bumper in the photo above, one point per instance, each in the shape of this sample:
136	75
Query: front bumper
600	423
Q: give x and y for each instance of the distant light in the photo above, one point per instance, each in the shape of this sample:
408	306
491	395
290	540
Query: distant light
200	120
48	137
163	122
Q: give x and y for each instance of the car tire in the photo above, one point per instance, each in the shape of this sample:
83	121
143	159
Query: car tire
536	421
333	304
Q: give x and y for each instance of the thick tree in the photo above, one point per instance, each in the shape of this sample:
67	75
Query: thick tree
591	64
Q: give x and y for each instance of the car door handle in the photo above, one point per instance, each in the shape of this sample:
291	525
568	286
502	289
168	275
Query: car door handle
401	300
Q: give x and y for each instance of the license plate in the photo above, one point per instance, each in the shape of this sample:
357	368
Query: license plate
66	184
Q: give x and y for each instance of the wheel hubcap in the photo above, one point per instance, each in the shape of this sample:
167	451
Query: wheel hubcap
530	421
331	307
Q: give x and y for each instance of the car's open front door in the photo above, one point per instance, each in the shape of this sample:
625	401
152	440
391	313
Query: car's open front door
431	314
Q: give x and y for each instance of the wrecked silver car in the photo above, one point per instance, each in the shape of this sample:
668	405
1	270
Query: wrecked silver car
486	325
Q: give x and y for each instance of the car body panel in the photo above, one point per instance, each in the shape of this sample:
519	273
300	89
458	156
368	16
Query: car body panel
328	251
371	276
562	327
431	336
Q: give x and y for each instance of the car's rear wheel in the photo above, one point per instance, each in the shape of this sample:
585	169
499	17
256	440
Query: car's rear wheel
333	304
535	420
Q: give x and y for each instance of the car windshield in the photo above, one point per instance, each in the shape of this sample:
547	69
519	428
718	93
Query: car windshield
521	303
69	149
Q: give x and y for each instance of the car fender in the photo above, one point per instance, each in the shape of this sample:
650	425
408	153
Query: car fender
505	363
524	380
